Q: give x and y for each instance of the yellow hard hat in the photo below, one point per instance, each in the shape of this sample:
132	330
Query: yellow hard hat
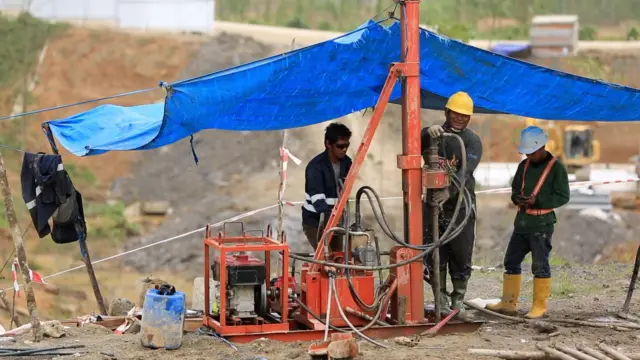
461	103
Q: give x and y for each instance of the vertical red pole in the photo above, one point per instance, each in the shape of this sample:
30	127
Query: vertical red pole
410	161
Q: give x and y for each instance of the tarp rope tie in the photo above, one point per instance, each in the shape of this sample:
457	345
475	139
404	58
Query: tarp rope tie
193	150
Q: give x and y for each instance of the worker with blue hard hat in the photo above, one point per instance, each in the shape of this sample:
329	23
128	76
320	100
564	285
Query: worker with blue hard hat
540	185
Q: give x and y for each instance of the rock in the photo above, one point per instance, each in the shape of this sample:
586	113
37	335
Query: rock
197	297
133	210
155	207
53	329
405	341
143	285
120	307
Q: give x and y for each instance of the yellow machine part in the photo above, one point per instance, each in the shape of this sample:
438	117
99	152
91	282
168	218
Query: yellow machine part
559	134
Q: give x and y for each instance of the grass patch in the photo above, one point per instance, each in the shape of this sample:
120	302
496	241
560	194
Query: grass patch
80	173
22	39
562	286
554	260
105	221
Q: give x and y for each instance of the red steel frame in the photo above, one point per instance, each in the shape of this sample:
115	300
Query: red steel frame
407	300
244	243
410	282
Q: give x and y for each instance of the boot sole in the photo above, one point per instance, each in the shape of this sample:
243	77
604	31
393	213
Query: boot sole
504	312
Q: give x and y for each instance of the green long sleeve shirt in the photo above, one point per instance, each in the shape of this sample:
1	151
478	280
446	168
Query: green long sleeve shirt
554	193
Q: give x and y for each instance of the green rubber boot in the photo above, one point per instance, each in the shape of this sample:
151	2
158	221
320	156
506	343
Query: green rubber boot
457	299
445	306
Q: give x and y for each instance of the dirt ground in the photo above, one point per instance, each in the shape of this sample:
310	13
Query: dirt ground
578	292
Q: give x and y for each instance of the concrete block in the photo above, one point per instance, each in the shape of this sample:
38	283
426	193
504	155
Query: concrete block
197	295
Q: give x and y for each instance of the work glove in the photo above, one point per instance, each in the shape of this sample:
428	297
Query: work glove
435	130
441	196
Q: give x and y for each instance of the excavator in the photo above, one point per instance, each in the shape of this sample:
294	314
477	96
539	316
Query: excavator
572	143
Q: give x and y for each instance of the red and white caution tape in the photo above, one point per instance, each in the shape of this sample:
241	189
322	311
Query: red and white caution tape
285	154
34	276
573	185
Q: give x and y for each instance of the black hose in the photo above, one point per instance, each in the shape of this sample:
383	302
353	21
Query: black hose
315	316
426	249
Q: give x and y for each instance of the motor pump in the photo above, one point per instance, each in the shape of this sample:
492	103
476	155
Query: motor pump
246	289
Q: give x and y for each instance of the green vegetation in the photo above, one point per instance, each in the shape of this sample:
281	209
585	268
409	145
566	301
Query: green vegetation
563	286
22	39
107	221
80	175
450	16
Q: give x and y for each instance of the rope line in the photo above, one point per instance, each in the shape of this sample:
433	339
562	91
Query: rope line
14	250
12	148
574	185
76	104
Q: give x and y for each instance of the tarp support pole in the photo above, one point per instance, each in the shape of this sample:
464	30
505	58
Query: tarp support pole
84	250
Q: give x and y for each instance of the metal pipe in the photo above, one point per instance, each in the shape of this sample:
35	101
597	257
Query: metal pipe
359	158
435	232
364	316
411	159
435	279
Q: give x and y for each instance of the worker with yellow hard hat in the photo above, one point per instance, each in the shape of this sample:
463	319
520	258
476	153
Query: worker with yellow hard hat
455	255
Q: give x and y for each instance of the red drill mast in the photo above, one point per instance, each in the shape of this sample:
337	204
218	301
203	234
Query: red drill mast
398	303
410	161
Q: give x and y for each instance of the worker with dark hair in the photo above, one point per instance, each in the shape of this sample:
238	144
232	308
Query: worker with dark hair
540	185
324	176
455	255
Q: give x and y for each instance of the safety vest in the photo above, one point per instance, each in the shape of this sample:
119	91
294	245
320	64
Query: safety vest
539	184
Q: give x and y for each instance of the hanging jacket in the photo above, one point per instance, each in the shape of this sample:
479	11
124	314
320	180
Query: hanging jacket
49	193
321	190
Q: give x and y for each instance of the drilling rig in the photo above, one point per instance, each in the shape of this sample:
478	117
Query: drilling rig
336	290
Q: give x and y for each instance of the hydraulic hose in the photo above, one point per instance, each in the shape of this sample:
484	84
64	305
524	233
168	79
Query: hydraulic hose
463	170
315	316
352	290
326	328
344	316
425	252
451	232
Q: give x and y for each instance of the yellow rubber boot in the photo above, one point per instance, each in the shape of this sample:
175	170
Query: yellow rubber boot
541	292
510	294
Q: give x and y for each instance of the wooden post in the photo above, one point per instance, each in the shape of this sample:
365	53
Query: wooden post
282	176
84	249
632	285
5	303
22	255
280	190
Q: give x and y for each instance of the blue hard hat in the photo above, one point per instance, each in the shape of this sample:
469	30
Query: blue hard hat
532	139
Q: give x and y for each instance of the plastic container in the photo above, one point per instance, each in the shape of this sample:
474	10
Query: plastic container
163	320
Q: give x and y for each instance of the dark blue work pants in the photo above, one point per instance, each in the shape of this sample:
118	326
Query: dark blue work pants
539	244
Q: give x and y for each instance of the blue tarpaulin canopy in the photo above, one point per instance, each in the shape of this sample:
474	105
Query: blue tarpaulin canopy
337	77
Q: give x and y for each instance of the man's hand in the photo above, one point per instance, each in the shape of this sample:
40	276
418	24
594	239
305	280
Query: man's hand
529	201
519	199
435	130
441	196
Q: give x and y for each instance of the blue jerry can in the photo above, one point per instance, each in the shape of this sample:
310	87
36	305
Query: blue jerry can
163	320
